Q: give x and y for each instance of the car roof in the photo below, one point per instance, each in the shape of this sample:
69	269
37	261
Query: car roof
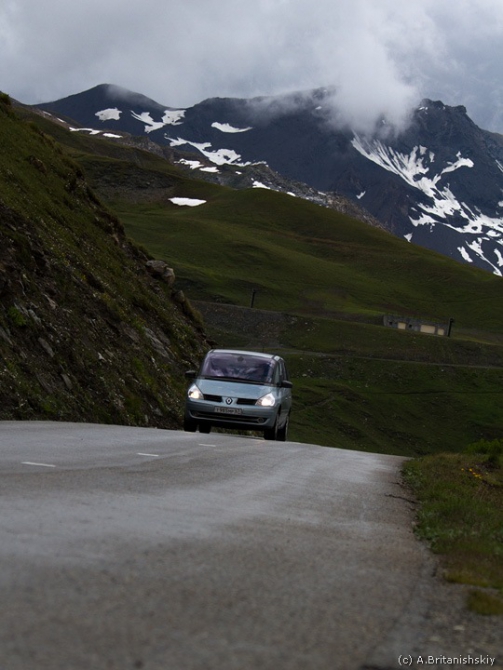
260	354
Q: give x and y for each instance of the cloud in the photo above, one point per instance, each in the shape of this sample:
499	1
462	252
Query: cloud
382	56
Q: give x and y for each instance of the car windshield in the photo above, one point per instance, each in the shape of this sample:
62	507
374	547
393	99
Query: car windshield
244	367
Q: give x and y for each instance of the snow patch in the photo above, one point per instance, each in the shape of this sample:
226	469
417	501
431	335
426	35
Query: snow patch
408	237
193	165
465	254
91	131
360	196
171	117
461	162
174	117
149	122
219	157
112	114
476	246
227	128
187	202
416	169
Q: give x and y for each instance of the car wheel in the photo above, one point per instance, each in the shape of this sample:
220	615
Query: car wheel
272	433
283	432
205	428
189	426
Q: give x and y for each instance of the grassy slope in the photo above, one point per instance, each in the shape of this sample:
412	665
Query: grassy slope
395	407
302	257
309	260
461	516
85	331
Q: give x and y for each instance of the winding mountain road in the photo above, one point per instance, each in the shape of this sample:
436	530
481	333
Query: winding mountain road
162	550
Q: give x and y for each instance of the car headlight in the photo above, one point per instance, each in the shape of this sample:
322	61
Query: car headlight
267	400
194	393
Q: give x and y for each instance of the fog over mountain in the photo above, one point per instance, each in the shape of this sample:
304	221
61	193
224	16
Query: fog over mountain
382	57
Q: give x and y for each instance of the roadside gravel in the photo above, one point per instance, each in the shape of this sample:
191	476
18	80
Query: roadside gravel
436	630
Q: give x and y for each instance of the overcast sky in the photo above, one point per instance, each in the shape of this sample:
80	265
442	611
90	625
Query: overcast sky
382	55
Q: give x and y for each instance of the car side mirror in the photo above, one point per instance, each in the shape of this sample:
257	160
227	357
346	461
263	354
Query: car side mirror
286	384
191	374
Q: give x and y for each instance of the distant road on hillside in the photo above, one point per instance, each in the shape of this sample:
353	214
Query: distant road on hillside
142	548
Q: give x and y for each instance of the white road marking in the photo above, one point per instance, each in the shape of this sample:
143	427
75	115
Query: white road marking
154	455
42	465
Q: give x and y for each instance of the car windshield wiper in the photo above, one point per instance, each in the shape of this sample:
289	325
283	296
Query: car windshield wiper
236	379
221	378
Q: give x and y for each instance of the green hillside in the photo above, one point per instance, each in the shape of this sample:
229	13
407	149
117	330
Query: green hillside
357	383
86	330
302	257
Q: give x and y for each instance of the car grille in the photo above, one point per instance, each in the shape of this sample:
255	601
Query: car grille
219	398
231	418
213	398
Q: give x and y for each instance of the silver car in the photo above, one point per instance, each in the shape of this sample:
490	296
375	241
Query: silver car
243	390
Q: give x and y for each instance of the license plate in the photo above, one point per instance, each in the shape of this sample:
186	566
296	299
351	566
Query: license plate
228	410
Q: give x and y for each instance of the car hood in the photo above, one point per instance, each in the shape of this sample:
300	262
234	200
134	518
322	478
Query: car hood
233	389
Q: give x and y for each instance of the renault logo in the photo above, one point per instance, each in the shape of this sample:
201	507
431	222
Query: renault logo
228	401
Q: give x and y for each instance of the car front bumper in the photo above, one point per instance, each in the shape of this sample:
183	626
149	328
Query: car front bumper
247	417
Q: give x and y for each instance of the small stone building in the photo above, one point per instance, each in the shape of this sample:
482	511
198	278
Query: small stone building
418	325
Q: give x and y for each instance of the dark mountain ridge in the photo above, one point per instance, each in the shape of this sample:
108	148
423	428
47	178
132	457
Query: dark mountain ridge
438	183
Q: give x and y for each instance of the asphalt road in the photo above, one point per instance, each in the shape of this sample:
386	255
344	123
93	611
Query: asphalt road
125	548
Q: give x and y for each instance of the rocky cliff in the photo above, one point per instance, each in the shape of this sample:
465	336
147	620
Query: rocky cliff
90	328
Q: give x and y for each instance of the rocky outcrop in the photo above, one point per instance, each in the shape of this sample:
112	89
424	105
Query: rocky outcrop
160	270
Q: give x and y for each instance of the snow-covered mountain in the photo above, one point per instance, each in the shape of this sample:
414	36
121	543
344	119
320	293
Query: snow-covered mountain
439	183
